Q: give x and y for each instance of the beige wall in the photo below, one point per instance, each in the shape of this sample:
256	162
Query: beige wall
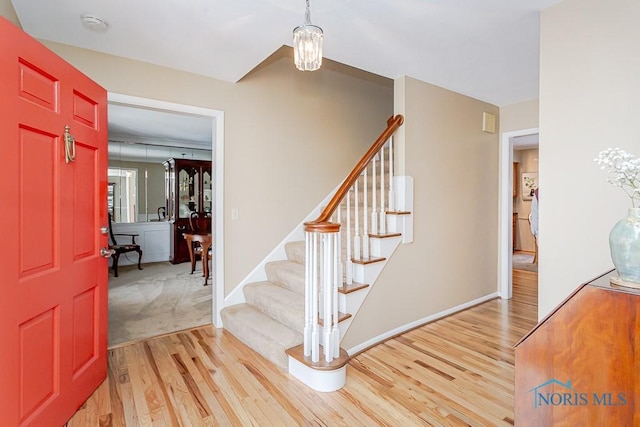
290	137
520	116
454	254
7	11
589	101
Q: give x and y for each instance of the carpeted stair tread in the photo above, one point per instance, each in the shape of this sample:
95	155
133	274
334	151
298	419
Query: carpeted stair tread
279	303
296	251
288	274
263	334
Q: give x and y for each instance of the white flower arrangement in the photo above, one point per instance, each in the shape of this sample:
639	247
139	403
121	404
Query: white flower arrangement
624	171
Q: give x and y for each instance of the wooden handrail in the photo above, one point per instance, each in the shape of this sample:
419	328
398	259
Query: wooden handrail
322	224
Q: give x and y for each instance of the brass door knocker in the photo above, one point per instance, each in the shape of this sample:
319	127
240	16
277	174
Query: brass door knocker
69	145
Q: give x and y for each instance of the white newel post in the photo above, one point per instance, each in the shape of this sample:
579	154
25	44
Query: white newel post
336	282
323	276
308	292
327	288
392	197
382	223
315	306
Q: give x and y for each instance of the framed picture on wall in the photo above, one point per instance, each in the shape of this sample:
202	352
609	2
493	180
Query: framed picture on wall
529	184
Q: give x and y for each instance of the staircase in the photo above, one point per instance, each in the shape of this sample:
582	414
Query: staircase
327	275
272	318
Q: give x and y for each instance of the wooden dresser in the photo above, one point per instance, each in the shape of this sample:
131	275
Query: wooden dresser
580	366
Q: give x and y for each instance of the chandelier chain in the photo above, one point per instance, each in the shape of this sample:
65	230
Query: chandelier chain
307	15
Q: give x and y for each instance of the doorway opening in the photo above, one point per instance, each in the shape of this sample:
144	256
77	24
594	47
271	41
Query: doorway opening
510	202
164	130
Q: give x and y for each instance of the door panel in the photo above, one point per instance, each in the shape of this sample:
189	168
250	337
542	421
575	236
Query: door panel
37	86
37	157
85	340
39	347
85	110
84	206
53	291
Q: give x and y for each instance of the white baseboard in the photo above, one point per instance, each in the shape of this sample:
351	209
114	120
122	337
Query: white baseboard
404	328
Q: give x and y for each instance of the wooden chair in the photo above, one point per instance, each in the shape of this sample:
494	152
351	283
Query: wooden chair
199	225
122	249
204	242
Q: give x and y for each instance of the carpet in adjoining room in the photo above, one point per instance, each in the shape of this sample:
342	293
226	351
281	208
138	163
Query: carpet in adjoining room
160	299
523	261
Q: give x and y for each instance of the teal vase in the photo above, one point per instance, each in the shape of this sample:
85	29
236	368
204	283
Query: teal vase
624	241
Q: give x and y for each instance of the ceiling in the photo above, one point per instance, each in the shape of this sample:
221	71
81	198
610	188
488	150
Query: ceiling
486	49
525	142
142	125
144	134
124	151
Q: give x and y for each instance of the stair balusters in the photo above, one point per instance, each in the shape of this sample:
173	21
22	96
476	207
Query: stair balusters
328	264
392	196
348	263
374	202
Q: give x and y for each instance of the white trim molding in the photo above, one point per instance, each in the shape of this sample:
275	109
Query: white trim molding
217	141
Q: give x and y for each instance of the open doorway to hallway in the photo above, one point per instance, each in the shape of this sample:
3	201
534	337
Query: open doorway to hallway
164	296
518	181
525	202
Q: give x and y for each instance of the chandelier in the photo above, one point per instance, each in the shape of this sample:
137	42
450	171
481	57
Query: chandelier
307	44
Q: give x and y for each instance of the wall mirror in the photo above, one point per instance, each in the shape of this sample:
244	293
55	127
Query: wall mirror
136	179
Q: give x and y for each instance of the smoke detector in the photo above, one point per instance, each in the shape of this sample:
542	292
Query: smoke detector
94	23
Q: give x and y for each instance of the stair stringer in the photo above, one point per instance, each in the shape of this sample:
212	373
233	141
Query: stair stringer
366	273
383	247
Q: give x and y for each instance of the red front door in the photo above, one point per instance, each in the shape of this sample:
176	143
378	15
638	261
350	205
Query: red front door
53	281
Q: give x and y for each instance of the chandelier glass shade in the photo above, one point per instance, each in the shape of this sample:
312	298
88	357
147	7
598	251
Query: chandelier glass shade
307	44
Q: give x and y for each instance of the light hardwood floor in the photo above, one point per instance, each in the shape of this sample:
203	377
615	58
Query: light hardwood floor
456	371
